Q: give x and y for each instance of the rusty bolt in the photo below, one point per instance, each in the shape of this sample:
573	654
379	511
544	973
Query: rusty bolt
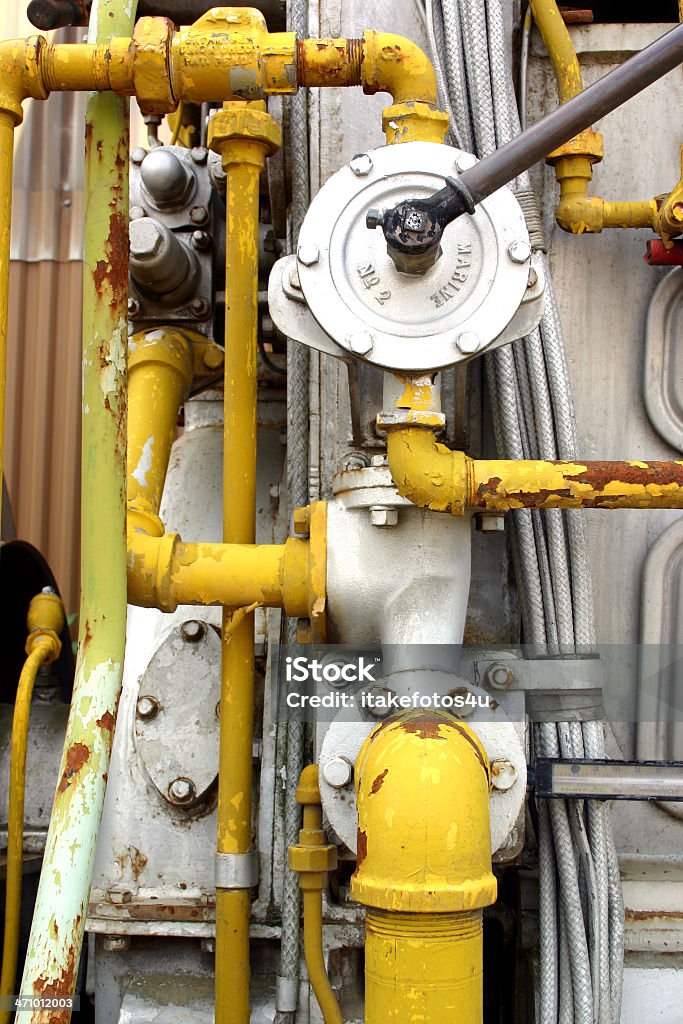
361	164
133	307
381	516
466	710
118	895
468	342
374	218
201	240
138	155
199	155
519	251
308	254
199	307
500	677
147	708
199	215
354	460
192	631
137	212
181	791
338	772
503	773
115	943
301	520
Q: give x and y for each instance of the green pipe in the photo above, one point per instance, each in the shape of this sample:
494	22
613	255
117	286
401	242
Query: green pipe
59	919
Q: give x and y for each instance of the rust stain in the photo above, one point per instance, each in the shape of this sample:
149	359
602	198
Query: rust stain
114	269
107	721
362	848
76	756
425	727
599	474
138	860
379	781
653	915
475	746
490	487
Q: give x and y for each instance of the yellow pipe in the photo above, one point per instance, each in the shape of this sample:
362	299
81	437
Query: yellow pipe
45	622
423	869
432	476
560	48
312	859
243	135
6	153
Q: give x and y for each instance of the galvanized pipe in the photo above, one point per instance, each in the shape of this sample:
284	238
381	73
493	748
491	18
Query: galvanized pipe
54	950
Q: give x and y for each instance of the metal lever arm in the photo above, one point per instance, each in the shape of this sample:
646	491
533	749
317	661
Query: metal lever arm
414	227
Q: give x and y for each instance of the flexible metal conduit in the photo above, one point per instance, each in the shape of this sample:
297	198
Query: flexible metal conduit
59	919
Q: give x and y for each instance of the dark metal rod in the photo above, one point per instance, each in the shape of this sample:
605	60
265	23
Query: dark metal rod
605	95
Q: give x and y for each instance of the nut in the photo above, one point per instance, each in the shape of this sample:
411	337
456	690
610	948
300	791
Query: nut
466	710
199	307
354	460
503	774
361	164
308	254
138	155
374	218
199	155
133	307
468	342
192	631
181	791
301	520
137	212
115	943
338	772
381	516
146	238
118	895
199	215
382	695
519	251
361	342
500	677
490	522
147	708
201	240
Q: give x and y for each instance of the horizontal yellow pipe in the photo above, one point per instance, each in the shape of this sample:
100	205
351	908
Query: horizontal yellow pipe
432	476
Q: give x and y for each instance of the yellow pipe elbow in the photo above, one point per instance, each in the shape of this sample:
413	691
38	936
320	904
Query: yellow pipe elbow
427	473
20	74
398	66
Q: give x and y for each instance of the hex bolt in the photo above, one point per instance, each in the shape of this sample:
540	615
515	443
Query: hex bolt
301	520
362	342
199	215
199	308
519	251
468	342
338	772
119	895
378	711
374	218
490	522
500	677
361	164
137	212
115	943
192	631
181	791
308	254
503	774
464	162
138	155
133	307
146	238
467	710
381	516
201	240
199	155
147	708
294	281
354	460
159	260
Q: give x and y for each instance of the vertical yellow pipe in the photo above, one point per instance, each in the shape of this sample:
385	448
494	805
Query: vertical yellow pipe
243	134
7	123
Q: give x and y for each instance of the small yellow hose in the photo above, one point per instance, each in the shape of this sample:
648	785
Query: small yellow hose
15	819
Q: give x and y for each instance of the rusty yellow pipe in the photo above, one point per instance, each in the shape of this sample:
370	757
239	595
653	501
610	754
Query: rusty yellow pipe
424	869
243	135
312	858
432	476
45	621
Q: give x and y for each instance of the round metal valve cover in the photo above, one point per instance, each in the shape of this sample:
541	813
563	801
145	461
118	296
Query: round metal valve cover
409	321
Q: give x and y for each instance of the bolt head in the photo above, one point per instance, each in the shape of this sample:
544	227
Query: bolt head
137	212
201	240
354	460
382	694
490	522
199	215
362	342
384	516
379	460
199	307
503	774
308	254
519	251
500	677
115	943
133	307
147	708
464	162
138	155
338	772
294	281
374	218
118	895
181	791
146	238
361	164
213	357
467	710
199	155
468	342
192	631
301	520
